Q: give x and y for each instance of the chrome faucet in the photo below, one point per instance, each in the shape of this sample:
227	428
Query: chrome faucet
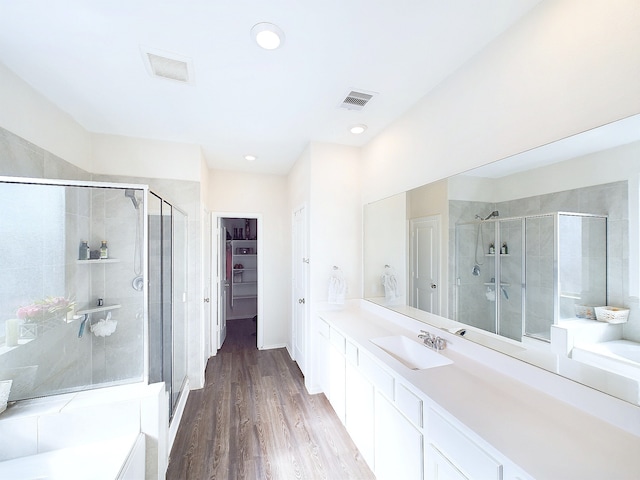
432	341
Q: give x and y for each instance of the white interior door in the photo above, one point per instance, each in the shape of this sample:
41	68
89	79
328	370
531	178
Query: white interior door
425	264
222	284
300	286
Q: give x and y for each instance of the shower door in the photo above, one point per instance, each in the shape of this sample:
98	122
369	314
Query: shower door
490	284
510	291
476	275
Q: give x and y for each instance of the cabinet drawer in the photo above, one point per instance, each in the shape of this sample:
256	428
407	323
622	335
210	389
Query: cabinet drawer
352	353
461	451
376	375
337	340
409	404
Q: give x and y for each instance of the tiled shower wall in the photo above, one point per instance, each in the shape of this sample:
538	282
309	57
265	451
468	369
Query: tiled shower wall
607	199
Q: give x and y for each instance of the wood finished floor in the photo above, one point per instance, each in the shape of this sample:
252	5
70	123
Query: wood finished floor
255	420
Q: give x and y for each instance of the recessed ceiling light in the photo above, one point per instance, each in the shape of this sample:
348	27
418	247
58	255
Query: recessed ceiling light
358	129
250	158
267	35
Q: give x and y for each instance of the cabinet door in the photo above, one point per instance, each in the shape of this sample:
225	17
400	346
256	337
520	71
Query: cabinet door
398	444
359	412
440	468
337	375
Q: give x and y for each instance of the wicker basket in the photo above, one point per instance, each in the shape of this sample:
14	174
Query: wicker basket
612	314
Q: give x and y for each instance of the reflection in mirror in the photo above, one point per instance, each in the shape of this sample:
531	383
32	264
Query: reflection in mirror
528	248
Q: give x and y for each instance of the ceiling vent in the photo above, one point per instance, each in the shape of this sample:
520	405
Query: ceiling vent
168	66
356	100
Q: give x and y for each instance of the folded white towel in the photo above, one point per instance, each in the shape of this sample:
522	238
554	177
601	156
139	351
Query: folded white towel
337	287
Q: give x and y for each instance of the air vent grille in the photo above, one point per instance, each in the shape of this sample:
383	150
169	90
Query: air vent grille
356	100
168	68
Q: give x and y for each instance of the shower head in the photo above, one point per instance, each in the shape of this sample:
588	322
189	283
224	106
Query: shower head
492	214
130	193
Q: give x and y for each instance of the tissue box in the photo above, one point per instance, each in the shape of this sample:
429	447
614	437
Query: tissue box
612	314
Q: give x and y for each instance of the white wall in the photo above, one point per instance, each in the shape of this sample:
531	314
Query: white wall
568	66
29	115
335	221
266	195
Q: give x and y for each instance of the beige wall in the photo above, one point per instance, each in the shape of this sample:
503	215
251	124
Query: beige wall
139	157
266	195
568	66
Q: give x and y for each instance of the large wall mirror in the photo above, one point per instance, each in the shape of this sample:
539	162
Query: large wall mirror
536	255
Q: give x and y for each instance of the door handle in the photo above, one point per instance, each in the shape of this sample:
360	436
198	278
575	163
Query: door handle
206	300
434	286
301	300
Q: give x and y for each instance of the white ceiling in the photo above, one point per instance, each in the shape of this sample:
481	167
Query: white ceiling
86	57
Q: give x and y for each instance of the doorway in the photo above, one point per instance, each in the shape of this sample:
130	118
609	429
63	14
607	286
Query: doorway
425	264
238	274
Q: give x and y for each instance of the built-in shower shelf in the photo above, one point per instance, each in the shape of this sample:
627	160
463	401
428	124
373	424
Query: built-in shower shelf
96	261
502	284
103	308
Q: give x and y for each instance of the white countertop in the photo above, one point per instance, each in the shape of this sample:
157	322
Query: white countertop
544	436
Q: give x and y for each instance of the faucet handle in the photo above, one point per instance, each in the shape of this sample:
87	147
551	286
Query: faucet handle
439	343
424	335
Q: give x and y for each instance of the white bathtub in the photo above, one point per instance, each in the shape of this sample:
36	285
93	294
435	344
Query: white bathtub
121	458
618	356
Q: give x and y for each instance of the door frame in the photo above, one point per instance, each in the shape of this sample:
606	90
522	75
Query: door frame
307	344
215	278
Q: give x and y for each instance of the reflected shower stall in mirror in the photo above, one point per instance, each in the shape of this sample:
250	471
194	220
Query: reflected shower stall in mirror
69	317
518	276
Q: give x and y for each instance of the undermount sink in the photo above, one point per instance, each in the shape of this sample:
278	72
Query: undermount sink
410	353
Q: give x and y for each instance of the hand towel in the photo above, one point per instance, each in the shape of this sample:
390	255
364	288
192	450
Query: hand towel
337	287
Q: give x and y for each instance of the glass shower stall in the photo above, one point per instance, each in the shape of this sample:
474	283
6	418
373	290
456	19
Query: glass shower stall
93	287
518	276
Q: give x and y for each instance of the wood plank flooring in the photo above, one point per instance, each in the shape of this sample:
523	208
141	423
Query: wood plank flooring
255	420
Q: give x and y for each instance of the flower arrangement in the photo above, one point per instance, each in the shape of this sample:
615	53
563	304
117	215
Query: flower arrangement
45	309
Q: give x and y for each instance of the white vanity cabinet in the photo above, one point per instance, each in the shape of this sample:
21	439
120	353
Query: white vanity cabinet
399	431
